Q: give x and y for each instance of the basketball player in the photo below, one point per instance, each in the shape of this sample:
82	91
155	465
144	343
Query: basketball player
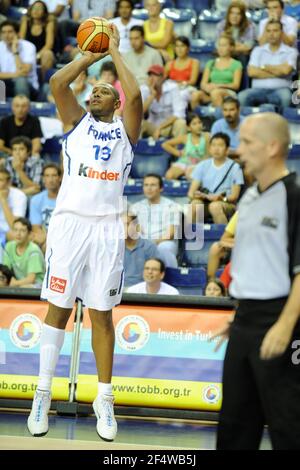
85	243
261	377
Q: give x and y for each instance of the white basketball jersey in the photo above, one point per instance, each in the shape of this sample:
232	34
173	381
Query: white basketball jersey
97	162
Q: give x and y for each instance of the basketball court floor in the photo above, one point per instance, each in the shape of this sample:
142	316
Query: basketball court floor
79	433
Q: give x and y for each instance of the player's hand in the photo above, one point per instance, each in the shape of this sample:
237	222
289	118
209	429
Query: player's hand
93	56
276	341
223	332
114	40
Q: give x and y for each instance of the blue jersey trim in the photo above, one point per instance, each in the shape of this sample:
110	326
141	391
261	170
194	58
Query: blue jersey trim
70	132
48	269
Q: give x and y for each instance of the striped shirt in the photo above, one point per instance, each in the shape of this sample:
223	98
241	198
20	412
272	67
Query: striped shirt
33	168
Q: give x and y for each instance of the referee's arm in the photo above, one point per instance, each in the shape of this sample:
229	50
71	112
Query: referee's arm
279	336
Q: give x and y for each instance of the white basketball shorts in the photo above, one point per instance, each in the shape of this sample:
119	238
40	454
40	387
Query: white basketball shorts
84	259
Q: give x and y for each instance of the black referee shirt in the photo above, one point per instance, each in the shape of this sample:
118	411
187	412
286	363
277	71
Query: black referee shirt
266	255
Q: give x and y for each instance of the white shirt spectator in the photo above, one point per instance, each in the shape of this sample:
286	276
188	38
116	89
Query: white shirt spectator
17	202
27	54
53	4
155	219
262	55
124	32
90	8
289	26
141	288
170	103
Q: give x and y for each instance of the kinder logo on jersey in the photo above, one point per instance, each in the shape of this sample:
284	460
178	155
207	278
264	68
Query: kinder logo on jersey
58	285
89	172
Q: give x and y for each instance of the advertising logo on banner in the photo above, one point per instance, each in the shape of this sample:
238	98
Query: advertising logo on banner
211	394
132	333
25	331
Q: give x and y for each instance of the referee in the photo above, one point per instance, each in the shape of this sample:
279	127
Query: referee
261	382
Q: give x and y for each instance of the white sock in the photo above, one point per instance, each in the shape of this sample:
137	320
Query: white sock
104	389
52	340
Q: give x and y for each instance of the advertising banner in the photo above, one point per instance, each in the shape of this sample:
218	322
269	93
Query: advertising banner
20	331
163	358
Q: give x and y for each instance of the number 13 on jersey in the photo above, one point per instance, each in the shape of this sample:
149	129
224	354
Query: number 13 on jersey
103	153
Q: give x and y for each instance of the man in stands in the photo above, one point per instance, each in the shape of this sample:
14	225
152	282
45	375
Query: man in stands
289	24
154	272
20	123
270	68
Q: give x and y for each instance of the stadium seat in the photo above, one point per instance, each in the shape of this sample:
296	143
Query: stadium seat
140	14
184	20
5	109
197	5
294	152
51	149
144	164
16	13
199	256
176	188
293	117
133	186
202	50
149	146
189	281
264	108
207	23
43	109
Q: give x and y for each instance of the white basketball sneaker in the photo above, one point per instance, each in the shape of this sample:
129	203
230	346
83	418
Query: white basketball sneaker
37	422
104	410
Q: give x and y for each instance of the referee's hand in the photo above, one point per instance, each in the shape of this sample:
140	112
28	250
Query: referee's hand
222	333
276	341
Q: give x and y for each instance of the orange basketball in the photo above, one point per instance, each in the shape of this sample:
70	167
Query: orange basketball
93	35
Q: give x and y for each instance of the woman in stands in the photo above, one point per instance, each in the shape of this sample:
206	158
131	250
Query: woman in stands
195	148
221	77
38	27
242	31
159	32
184	69
215	288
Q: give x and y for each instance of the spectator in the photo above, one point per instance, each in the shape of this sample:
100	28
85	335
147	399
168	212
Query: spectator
230	123
4	6
159	218
57	8
81	10
108	74
43	204
184	70
219	180
137	251
38	27
141	57
215	288
221	250
5	275
165	107
17	63
270	68
195	148
20	123
242	31
159	32
24	257
25	169
221	77
82	89
154	272
289	25
13	204
124	22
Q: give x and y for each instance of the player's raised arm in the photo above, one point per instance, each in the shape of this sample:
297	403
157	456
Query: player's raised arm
66	102
133	109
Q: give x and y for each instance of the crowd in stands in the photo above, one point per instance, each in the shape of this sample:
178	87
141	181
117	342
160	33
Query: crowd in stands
253	64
